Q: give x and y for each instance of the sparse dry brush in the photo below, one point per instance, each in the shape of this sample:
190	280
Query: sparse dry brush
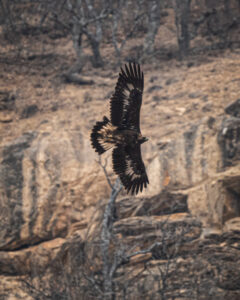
93	25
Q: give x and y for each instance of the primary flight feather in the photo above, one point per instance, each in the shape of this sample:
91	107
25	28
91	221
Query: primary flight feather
123	130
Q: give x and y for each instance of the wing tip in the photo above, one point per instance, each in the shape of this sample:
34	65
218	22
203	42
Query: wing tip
136	186
132	74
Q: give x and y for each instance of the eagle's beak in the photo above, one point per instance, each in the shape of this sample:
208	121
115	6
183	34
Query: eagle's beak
144	139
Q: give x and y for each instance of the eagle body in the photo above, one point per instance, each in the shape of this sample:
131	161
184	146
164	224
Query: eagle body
122	136
122	132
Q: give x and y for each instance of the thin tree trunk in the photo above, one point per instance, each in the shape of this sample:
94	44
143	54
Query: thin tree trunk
106	237
97	61
95	39
115	19
182	10
153	25
77	44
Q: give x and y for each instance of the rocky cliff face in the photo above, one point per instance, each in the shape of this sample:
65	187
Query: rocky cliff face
180	237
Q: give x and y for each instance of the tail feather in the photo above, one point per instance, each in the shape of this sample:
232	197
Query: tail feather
98	138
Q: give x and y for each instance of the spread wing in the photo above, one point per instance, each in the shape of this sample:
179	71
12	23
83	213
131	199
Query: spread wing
128	164
126	101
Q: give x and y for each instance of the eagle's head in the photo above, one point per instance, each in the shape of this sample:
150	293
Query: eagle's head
142	139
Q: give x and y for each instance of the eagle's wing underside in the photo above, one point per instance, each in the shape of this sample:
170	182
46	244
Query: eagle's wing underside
128	164
126	101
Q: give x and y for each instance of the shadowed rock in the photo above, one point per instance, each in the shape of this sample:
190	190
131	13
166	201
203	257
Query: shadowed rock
162	204
7	101
77	79
11	185
233	109
29	111
229	141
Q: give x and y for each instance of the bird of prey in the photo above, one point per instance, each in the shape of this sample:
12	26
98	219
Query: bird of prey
122	131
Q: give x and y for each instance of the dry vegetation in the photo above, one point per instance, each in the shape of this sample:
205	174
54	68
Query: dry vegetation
34	61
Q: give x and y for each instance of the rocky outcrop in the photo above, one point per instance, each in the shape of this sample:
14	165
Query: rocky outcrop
42	178
203	164
176	240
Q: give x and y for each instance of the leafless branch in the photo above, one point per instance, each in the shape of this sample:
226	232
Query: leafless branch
117	21
34	290
103	166
93	283
148	250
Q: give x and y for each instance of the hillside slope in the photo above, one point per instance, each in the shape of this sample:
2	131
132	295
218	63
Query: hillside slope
52	187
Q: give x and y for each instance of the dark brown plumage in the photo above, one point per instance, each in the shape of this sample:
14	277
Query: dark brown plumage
123	131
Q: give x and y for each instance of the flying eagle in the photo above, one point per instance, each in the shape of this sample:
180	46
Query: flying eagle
123	131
